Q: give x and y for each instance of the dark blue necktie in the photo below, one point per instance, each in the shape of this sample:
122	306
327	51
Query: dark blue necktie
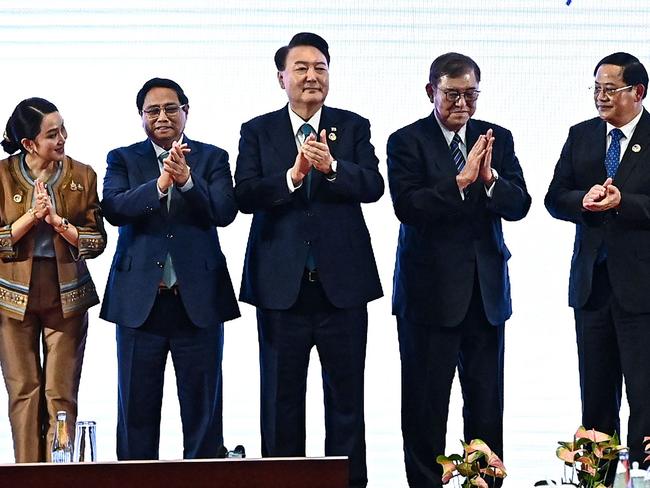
456	153
306	130
613	156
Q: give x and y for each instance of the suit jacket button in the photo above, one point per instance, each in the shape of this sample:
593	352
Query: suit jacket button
310	213
308	243
169	236
160	264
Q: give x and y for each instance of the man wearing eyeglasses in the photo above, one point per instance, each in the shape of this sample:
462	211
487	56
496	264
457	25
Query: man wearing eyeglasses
602	184
169	290
452	179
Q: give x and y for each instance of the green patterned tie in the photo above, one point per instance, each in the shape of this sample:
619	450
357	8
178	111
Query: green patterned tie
169	274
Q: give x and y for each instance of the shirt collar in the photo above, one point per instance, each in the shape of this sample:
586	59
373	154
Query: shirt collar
159	150
627	129
297	121
449	134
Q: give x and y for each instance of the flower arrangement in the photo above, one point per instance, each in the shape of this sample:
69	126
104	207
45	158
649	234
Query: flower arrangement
590	455
475	464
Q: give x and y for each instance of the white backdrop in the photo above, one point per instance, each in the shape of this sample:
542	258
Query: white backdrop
536	57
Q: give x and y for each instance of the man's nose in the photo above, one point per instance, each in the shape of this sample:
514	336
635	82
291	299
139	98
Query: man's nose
461	102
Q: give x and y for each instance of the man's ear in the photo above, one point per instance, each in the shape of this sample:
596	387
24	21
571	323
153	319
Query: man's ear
280	79
640	91
429	89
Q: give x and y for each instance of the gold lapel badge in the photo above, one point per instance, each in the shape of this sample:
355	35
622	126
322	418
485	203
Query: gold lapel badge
18	198
332	135
636	148
76	186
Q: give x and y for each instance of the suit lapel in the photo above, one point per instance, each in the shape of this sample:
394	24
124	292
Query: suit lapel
327	122
147	162
282	139
641	142
436	146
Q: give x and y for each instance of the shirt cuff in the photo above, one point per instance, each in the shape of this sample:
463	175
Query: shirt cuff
189	184
332	175
290	184
161	194
490	190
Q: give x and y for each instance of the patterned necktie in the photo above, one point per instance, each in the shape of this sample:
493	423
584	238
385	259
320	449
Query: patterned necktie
613	156
169	274
161	158
306	130
456	153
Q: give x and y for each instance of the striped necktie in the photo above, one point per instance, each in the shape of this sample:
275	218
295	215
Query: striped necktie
456	153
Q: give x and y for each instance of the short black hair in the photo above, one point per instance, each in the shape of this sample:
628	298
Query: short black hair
159	83
25	123
634	73
301	39
452	65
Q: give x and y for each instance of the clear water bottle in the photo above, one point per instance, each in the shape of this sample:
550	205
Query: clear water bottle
623	478
62	444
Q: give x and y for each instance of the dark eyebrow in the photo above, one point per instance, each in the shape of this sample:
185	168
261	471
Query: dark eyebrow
307	63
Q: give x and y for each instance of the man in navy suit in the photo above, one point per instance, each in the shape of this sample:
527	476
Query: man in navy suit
169	289
452	180
602	185
303	172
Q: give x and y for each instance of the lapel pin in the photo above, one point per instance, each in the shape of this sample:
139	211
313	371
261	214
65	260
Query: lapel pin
332	129
636	148
18	198
331	136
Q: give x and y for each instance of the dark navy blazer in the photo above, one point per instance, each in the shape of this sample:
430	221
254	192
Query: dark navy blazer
443	239
286	226
148	232
625	231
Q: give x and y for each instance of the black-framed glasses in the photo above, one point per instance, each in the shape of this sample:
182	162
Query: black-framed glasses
454	95
608	91
171	110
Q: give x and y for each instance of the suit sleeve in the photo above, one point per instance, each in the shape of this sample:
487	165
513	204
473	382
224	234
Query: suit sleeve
634	207
212	195
564	197
510	199
92	236
415	199
359	180
255	190
121	204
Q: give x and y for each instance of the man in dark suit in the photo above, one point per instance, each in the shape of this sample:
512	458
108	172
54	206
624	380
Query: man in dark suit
309	267
169	289
602	184
452	180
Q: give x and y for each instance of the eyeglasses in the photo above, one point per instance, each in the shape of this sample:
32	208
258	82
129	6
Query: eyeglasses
170	110
454	95
608	92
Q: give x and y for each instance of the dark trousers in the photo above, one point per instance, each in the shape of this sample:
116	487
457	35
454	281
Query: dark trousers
430	355
141	357
613	344
286	338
